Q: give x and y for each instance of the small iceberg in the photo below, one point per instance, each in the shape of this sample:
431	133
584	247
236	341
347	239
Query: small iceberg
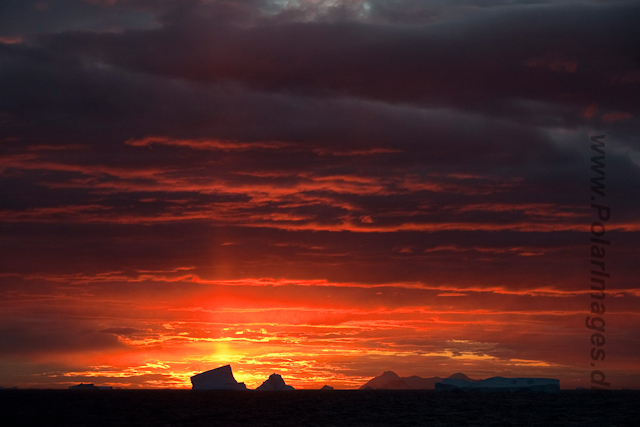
274	383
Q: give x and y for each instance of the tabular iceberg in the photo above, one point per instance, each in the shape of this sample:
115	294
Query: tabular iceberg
216	379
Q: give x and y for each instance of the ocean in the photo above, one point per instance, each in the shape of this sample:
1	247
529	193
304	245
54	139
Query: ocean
316	408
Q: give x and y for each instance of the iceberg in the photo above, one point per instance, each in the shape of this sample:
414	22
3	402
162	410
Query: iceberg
501	384
274	383
216	379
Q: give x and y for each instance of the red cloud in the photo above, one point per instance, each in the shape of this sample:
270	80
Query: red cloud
554	62
590	111
616	116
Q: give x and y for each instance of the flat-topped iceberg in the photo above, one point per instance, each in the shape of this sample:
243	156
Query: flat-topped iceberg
216	379
501	384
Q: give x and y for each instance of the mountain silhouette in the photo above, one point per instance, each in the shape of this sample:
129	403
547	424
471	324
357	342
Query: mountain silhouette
391	381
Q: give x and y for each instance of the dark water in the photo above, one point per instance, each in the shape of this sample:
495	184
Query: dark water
315	408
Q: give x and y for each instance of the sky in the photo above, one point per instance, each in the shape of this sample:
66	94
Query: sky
324	189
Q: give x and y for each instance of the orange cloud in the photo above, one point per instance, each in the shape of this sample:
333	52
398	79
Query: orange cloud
204	144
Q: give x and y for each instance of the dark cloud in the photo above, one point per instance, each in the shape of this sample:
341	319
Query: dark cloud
40	336
498	63
31	17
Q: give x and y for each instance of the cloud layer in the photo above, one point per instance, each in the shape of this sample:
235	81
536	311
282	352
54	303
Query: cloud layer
323	189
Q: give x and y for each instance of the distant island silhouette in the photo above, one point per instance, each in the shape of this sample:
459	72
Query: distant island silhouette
82	386
391	381
461	382
222	379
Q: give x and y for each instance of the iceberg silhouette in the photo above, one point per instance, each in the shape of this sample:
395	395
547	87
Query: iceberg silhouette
274	383
216	379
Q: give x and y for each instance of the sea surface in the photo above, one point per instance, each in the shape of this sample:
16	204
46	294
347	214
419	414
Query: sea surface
316	408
